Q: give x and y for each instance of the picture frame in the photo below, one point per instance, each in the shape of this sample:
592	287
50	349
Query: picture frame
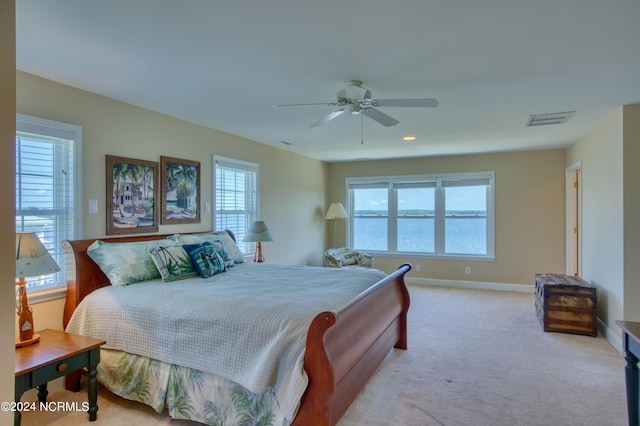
132	194
180	191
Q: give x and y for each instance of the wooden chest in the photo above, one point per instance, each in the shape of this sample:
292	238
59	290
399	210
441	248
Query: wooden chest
566	304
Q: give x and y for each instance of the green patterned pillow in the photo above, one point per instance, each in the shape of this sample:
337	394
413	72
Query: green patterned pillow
126	263
230	245
173	262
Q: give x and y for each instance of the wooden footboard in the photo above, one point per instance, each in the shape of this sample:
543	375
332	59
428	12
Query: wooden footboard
345	348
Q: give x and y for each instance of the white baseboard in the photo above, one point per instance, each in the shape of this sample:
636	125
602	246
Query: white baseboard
614	339
477	285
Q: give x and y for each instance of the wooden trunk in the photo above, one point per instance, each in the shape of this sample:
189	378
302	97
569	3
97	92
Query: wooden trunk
566	304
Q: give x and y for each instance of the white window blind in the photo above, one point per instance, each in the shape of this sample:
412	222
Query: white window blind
48	188
236	197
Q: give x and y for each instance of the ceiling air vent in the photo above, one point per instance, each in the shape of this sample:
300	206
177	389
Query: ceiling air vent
550	118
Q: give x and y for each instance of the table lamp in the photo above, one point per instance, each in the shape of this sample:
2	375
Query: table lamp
257	233
336	211
32	260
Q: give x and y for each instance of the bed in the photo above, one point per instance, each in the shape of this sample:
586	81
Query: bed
342	347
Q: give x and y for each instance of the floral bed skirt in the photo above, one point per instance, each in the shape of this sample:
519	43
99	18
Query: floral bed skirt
185	392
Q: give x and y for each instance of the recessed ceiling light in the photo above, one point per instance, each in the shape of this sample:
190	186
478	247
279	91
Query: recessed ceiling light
409	138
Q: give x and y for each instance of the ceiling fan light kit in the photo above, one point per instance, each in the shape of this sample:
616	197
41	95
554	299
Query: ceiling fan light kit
356	99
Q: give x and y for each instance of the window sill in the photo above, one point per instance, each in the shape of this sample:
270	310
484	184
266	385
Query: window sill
480	258
46	295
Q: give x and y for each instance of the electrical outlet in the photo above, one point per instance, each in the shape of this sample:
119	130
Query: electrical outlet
418	267
467	270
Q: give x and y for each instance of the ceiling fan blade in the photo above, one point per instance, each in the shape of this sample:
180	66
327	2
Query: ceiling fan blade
317	103
380	117
424	102
327	118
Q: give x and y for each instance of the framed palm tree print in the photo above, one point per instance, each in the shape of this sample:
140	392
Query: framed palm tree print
132	192
180	190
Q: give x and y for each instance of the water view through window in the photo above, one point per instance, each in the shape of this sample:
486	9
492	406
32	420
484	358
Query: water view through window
439	217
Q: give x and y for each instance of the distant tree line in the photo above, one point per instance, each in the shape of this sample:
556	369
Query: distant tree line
421	212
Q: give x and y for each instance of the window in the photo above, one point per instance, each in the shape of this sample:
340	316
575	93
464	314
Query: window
433	215
236	197
48	188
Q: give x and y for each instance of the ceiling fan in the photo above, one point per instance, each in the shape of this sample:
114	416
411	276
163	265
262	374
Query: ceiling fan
356	99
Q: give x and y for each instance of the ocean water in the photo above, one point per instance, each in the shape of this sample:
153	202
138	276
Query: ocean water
462	235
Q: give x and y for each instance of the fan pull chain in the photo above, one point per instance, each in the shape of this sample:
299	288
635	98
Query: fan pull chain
361	130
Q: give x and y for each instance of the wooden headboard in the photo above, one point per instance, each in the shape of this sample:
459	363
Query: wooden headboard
83	274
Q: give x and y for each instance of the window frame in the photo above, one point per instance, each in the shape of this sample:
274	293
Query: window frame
56	129
393	183
246	248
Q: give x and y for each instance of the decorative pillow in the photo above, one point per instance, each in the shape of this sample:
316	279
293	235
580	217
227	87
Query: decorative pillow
205	258
126	263
173	262
230	245
222	251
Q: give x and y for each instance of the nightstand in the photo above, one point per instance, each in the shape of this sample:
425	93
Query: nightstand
55	355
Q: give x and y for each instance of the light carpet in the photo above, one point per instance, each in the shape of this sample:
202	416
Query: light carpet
475	358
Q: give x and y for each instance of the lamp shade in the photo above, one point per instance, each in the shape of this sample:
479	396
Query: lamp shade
32	258
336	211
258	231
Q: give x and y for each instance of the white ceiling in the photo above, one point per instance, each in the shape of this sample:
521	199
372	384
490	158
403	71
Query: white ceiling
225	64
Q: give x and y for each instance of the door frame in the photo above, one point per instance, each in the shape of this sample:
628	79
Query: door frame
573	209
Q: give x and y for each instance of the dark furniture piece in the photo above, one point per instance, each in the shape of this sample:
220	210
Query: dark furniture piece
566	304
343	350
55	355
631	346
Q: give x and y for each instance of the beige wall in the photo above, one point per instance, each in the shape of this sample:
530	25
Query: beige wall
631	193
529	196
610	205
292	186
7	193
600	153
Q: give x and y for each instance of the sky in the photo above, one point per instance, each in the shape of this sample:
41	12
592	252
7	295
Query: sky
457	198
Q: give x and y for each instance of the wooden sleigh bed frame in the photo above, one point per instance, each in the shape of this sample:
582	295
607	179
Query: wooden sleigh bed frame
343	350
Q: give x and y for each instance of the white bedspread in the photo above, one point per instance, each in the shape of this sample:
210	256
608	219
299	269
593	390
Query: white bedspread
248	324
